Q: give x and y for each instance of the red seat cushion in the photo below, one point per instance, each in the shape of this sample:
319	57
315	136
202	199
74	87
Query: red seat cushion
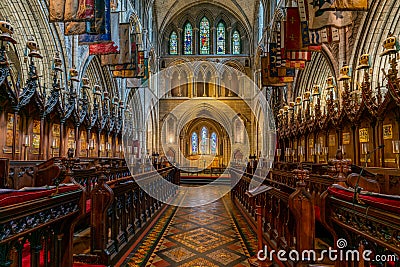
317	213
88	205
380	201
22	196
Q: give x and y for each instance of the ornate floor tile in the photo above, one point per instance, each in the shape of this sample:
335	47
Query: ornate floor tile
185	226
199	262
203	218
223	256
202	239
178	254
212	235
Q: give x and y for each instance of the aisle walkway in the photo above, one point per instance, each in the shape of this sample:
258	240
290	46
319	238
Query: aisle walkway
210	235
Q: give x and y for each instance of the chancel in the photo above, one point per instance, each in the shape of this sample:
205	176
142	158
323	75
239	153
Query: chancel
199	133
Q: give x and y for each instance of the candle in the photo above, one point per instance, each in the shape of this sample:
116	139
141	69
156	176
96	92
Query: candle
364	148
91	144
26	140
54	145
396	146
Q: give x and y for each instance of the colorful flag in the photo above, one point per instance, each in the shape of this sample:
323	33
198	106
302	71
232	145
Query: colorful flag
318	18
292	31
124	73
124	55
146	70
111	47
273	50
335	34
74	28
266	79
56	10
315	37
79	10
101	25
140	64
343	5
299	55
294	64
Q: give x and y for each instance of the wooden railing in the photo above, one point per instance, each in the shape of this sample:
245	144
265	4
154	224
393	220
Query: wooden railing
46	222
373	225
287	211
120	209
364	227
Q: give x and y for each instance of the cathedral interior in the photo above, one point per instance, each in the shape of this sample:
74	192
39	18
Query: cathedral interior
199	133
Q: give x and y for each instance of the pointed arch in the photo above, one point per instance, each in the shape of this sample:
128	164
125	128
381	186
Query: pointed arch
204	40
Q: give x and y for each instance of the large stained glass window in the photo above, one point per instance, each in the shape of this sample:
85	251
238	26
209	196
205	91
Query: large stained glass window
173	43
221	38
204	36
194	143
214	143
204	136
188	40
236	43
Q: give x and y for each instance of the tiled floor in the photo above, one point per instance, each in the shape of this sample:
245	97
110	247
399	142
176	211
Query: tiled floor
198	236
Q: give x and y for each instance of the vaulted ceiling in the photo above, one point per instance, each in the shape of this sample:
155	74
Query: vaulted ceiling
245	10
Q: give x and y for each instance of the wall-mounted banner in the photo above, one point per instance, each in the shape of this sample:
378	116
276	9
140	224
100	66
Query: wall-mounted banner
99	30
387	131
364	137
140	64
346	138
111	47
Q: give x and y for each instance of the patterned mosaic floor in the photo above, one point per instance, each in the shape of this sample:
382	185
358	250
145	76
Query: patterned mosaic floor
200	236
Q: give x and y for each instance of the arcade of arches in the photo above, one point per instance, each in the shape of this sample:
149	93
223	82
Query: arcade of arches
199	133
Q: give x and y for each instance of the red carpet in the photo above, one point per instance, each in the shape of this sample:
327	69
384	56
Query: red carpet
26	258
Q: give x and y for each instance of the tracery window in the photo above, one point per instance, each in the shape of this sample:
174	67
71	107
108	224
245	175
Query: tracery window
188	40
194	143
204	36
236	46
173	43
260	20
204	137
214	143
221	38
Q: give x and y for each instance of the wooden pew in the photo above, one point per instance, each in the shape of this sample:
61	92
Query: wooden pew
121	209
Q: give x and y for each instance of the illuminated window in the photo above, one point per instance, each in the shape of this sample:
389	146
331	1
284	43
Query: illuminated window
236	47
204	137
214	143
221	38
194	143
204	36
188	40
173	44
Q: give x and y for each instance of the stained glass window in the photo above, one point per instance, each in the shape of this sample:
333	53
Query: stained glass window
173	44
204	135
214	143
204	36
194	143
236	43
221	38
188	40
260	21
